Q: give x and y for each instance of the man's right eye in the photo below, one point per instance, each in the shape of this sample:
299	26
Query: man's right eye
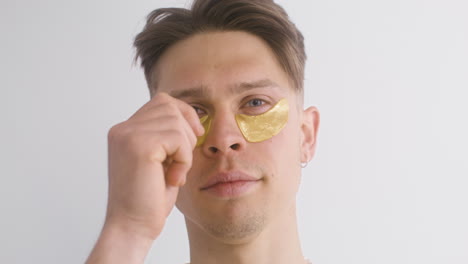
200	112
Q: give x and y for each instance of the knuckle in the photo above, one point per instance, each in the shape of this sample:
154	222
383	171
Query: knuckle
167	109
162	98
177	134
123	134
155	154
171	109
172	117
114	132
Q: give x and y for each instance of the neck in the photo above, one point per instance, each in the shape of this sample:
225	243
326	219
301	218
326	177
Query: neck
278	242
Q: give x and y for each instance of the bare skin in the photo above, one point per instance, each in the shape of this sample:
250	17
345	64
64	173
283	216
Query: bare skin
154	164
149	157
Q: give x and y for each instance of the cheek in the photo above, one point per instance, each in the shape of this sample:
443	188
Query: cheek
285	154
286	146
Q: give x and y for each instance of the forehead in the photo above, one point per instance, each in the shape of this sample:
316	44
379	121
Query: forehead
218	61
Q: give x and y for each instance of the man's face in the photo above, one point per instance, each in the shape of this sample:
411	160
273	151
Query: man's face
223	74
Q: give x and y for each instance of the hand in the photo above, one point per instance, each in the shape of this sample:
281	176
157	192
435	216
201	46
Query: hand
149	157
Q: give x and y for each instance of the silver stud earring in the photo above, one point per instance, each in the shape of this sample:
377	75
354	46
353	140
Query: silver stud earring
304	164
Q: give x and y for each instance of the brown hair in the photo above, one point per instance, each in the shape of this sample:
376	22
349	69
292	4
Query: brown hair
262	18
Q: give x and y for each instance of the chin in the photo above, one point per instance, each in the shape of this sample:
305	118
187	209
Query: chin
233	223
235	230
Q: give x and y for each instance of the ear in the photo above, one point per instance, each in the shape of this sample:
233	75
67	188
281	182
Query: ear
309	130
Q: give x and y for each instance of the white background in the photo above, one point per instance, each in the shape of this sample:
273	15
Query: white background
389	182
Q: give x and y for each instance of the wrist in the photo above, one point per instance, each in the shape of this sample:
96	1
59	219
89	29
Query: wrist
134	230
120	243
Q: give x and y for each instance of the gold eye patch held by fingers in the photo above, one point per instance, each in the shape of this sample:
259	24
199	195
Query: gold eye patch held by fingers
206	123
256	128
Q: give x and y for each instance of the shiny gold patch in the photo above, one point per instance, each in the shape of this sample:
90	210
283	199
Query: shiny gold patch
255	128
264	126
206	123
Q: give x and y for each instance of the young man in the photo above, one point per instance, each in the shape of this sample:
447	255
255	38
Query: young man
222	138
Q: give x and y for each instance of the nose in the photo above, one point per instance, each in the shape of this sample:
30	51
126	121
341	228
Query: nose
224	136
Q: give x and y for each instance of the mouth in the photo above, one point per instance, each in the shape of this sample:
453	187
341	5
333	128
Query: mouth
230	184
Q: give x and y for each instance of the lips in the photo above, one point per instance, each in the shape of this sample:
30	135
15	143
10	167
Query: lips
230	184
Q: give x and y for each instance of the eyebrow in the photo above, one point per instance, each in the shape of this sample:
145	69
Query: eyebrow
245	86
195	92
202	91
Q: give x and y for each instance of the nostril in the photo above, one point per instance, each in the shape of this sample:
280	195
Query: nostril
213	149
235	146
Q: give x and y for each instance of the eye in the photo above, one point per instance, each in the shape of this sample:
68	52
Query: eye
255	102
200	112
256	106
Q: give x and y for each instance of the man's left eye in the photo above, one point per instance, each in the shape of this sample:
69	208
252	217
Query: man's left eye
255	102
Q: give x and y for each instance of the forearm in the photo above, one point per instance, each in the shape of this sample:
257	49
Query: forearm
119	245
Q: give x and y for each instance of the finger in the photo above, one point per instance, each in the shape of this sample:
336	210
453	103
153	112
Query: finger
178	149
162	123
162	103
191	116
187	111
177	174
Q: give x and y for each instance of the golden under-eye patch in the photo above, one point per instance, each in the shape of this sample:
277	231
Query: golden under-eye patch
206	123
264	126
256	128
